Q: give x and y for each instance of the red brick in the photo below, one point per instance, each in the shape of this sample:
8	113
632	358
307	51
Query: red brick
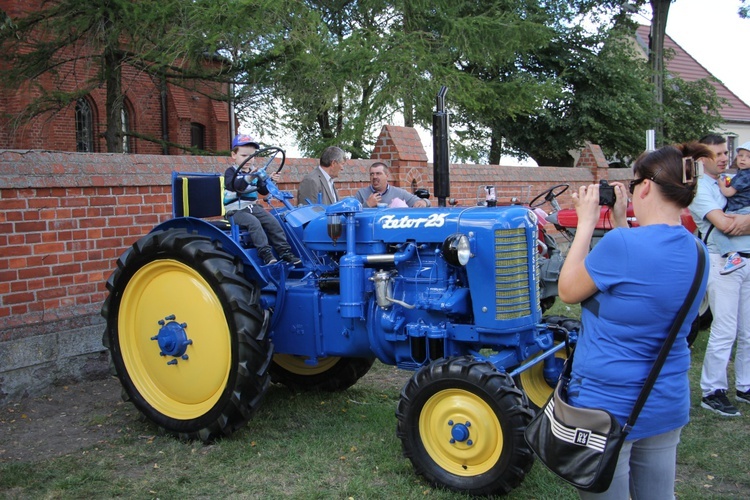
45	248
28	227
33	272
18	298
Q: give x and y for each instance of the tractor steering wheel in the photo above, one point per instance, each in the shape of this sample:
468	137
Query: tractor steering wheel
548	195
272	152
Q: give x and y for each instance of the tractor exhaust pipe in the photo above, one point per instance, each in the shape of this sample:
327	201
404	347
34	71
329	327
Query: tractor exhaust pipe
440	155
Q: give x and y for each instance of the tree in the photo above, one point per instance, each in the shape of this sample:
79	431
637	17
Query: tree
67	38
369	59
334	72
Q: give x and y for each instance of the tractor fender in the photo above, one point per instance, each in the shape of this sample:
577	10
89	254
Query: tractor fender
252	268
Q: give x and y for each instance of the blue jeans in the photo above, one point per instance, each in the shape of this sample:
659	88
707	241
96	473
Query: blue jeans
645	470
262	227
729	244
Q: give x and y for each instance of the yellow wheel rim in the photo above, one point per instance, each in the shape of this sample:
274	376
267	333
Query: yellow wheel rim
297	365
189	388
482	442
532	381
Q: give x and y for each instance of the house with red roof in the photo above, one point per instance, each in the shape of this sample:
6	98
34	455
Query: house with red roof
735	112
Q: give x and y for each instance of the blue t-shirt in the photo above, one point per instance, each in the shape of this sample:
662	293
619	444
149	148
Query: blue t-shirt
643	276
740	182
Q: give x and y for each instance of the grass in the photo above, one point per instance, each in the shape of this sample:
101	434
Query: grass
341	445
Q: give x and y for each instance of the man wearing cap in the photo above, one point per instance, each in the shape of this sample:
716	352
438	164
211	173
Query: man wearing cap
241	201
728	294
321	180
380	191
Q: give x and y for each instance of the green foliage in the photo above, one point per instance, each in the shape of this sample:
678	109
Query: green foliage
68	39
691	110
524	77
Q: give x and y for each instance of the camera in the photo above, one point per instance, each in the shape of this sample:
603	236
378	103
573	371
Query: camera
606	193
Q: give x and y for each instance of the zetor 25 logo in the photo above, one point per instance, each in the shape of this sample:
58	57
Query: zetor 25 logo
406	222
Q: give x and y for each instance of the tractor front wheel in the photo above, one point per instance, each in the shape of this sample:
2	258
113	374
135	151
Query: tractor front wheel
329	374
461	424
186	335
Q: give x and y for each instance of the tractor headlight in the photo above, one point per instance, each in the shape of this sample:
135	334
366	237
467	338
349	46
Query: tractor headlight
456	250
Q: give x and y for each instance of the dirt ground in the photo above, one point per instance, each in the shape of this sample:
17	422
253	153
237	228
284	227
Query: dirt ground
65	420
72	417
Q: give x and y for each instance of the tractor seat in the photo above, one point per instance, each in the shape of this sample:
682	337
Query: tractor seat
197	195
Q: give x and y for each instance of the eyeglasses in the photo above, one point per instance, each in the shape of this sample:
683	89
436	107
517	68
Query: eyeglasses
635	182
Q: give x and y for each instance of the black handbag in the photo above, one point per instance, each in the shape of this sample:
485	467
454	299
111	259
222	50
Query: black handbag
582	445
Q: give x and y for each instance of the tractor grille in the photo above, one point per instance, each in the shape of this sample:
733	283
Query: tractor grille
512	293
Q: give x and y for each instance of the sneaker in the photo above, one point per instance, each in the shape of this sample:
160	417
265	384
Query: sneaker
743	397
267	256
734	262
719	403
288	256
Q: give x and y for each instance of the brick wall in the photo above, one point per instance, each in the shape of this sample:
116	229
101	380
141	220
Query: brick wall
186	103
65	218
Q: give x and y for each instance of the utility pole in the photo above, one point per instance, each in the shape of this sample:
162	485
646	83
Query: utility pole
659	13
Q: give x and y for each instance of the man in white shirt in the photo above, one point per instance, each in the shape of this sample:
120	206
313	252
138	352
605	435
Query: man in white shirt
728	295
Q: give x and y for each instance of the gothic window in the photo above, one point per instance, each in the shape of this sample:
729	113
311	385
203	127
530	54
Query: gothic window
124	115
84	126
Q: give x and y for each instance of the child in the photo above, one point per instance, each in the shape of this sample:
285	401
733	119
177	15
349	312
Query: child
737	192
241	196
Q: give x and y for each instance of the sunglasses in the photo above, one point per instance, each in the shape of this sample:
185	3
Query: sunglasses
635	182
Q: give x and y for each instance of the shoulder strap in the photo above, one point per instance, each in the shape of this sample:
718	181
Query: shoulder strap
664	352
705	238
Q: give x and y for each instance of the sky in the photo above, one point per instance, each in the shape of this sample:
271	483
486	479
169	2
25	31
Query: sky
713	33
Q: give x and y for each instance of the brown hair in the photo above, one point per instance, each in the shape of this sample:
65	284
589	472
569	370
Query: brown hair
666	168
381	164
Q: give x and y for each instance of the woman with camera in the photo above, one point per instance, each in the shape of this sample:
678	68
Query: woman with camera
631	286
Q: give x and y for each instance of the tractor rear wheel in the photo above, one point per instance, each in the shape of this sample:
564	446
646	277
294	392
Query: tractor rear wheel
186	335
329	374
461	424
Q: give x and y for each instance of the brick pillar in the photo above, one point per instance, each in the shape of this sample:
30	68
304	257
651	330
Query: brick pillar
401	149
593	158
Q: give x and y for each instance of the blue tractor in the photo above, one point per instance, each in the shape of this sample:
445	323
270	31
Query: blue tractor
198	327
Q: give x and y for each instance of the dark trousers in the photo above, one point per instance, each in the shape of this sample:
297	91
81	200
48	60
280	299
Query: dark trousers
260	223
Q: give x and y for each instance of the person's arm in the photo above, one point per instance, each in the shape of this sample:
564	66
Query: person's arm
411	199
620	209
416	202
735	224
727	191
237	183
575	283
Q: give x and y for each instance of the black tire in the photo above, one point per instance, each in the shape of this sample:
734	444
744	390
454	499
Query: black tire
447	405
331	374
547	303
186	281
